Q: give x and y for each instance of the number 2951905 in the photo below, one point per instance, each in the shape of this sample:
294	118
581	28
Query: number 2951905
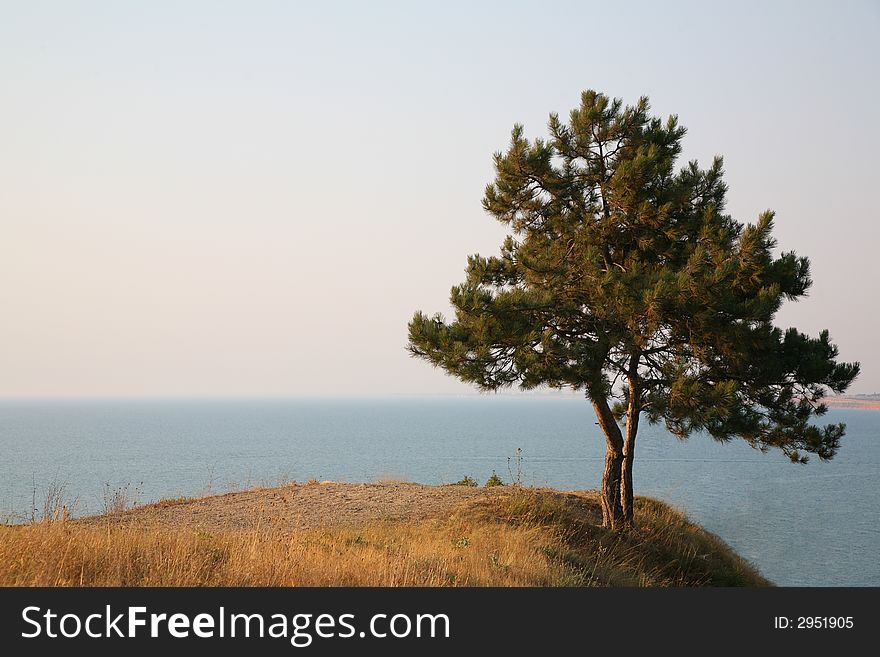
813	623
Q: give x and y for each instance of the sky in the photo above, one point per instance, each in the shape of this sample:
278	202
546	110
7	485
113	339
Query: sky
252	198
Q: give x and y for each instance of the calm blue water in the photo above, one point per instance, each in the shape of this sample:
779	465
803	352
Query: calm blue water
802	525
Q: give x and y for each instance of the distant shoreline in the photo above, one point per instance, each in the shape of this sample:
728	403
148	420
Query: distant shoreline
871	403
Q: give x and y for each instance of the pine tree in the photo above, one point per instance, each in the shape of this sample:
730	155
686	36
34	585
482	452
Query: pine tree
624	278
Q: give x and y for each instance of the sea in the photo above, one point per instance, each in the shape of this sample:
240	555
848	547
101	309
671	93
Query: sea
802	525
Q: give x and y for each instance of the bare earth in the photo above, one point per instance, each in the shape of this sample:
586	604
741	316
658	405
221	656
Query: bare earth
304	506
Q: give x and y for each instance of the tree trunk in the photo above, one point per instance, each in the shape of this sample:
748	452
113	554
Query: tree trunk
612	511
626	473
633	411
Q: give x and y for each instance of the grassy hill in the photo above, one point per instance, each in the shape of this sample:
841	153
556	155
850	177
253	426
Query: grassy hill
499	537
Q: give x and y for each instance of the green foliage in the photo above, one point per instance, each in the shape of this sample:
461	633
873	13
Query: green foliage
623	277
494	480
467	480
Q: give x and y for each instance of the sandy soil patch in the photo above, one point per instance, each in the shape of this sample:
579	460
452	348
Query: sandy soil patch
302	506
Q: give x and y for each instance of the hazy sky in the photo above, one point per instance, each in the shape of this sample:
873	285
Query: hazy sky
224	198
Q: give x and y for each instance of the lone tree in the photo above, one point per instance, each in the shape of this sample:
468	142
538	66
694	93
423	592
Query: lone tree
623	277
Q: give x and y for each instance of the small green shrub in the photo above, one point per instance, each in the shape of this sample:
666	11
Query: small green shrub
467	480
494	480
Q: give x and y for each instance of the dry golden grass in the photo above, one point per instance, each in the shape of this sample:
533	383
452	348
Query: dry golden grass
526	538
663	548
